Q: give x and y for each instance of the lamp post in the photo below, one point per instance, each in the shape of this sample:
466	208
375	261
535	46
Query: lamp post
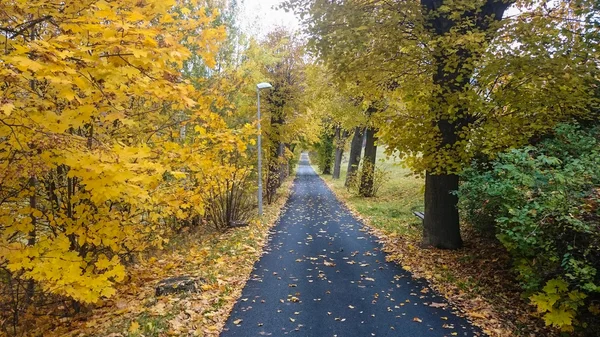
263	85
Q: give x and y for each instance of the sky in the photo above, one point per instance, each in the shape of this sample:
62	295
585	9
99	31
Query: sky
259	17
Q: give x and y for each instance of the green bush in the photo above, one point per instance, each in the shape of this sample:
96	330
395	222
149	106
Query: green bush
324	150
542	203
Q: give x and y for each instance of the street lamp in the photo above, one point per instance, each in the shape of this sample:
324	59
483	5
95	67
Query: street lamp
263	85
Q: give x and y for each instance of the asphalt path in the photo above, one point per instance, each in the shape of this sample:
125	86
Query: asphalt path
323	275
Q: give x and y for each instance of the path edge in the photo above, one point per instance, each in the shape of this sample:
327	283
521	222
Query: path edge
273	220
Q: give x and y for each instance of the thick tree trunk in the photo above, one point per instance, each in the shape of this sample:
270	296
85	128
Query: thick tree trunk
340	140
455	65
368	169
354	157
441	225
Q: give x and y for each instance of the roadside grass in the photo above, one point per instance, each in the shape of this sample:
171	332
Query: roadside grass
392	208
477	279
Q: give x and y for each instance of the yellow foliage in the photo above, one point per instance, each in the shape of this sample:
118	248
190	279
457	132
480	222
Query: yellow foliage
557	304
90	172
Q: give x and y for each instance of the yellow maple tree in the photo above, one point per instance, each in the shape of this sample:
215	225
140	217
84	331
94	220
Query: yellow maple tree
92	166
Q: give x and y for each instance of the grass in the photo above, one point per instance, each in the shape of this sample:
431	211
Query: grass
150	326
396	200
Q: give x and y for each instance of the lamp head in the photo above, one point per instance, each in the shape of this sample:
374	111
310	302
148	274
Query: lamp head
264	85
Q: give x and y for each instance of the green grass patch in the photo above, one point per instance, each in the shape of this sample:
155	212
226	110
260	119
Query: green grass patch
392	209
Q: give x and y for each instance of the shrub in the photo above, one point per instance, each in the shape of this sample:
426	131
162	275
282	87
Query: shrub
542	204
230	200
380	177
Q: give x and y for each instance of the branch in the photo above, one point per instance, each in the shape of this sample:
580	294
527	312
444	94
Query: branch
22	28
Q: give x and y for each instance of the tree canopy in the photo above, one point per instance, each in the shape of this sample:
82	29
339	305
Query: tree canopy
460	78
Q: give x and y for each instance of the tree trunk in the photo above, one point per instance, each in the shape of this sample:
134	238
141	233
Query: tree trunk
285	168
290	168
455	65
273	173
368	169
275	153
29	292
441	226
354	157
340	140
283	163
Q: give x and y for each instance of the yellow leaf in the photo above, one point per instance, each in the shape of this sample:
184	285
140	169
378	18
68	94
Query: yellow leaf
134	327
178	175
559	318
555	286
102	262
136	16
67	93
24	63
7	108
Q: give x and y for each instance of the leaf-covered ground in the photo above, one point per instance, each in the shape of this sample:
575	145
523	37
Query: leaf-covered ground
324	275
224	261
477	278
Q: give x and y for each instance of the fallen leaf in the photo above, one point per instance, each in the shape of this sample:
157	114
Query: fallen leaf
328	264
438	305
134	327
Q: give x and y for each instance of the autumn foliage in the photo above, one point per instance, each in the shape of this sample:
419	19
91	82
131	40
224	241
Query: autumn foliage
126	122
104	145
